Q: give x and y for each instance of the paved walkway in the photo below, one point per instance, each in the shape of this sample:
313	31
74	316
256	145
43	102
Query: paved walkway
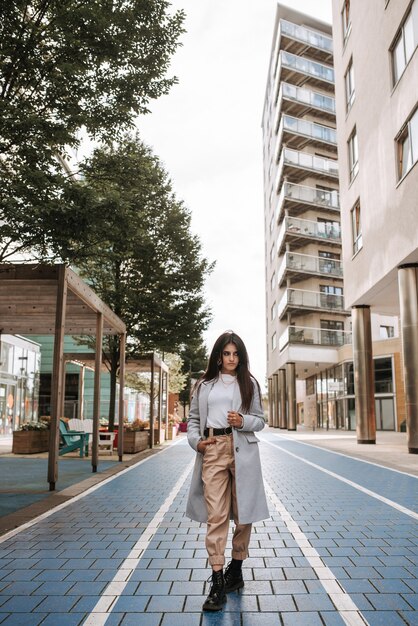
340	547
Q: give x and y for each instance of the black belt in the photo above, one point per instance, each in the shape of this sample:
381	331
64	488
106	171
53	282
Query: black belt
217	431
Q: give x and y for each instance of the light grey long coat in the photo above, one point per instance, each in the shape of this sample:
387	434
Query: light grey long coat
251	497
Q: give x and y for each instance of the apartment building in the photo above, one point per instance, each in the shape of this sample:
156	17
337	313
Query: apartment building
376	68
309	349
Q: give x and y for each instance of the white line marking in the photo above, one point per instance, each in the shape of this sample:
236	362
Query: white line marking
59	507
347	456
102	610
345	606
373	494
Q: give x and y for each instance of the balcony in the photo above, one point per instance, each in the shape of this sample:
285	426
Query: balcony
300	39
299	232
298	166
297	133
313	336
296	199
301	71
296	266
302	301
299	101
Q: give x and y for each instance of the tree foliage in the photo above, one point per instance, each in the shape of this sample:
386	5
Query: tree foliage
67	65
148	266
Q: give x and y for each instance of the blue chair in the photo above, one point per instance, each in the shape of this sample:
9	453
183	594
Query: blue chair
73	440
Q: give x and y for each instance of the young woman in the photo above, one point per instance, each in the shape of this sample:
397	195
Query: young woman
227	481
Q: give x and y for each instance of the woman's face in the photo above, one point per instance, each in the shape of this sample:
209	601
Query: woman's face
230	359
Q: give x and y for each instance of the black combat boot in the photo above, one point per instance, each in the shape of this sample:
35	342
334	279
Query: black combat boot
217	597
233	576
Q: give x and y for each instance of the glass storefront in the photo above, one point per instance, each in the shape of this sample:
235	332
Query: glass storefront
335	395
19	382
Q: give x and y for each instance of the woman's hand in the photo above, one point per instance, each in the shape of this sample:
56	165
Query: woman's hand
234	419
204	443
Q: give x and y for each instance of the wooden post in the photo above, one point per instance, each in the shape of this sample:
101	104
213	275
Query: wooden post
160	403
57	377
122	351
96	399
80	411
151	407
166	393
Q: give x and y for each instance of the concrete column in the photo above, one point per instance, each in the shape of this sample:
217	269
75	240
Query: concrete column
275	400
291	396
282	399
408	297
270	396
363	375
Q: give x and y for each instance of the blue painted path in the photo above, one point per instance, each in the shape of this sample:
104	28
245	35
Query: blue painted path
125	554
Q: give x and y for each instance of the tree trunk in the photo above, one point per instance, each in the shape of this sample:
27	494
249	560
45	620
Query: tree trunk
114	365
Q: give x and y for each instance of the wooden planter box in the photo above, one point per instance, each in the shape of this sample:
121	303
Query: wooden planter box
135	441
30	441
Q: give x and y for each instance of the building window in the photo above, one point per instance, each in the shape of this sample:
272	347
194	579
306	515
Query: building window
345	15
383	378
332	333
274	341
406	42
356	228
387	332
353	154
408	145
273	312
273	281
350	92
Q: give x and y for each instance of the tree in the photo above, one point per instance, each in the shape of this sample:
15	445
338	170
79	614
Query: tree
195	360
68	66
148	266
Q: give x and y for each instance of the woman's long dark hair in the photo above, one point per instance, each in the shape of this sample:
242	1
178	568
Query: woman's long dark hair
244	376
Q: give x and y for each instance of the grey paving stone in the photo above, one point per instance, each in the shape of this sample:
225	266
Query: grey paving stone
332	618
387	601
288	587
277	603
131	604
187	588
301	619
384	618
166	604
222	618
313	602
260	619
21	604
141	619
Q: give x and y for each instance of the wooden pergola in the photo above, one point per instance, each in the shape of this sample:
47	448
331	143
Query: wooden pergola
54	300
134	365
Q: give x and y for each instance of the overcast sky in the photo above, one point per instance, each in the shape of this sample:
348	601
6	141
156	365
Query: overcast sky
207	132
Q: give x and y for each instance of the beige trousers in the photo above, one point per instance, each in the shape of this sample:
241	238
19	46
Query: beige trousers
218	474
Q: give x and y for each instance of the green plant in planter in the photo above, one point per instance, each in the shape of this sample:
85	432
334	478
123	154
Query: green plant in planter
34	426
137	425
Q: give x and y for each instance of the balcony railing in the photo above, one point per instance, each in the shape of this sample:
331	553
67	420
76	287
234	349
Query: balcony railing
305	161
306	66
308	129
310	195
307	97
312	300
306	35
307	264
329	232
314	336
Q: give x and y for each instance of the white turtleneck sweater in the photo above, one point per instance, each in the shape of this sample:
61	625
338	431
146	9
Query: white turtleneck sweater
220	401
